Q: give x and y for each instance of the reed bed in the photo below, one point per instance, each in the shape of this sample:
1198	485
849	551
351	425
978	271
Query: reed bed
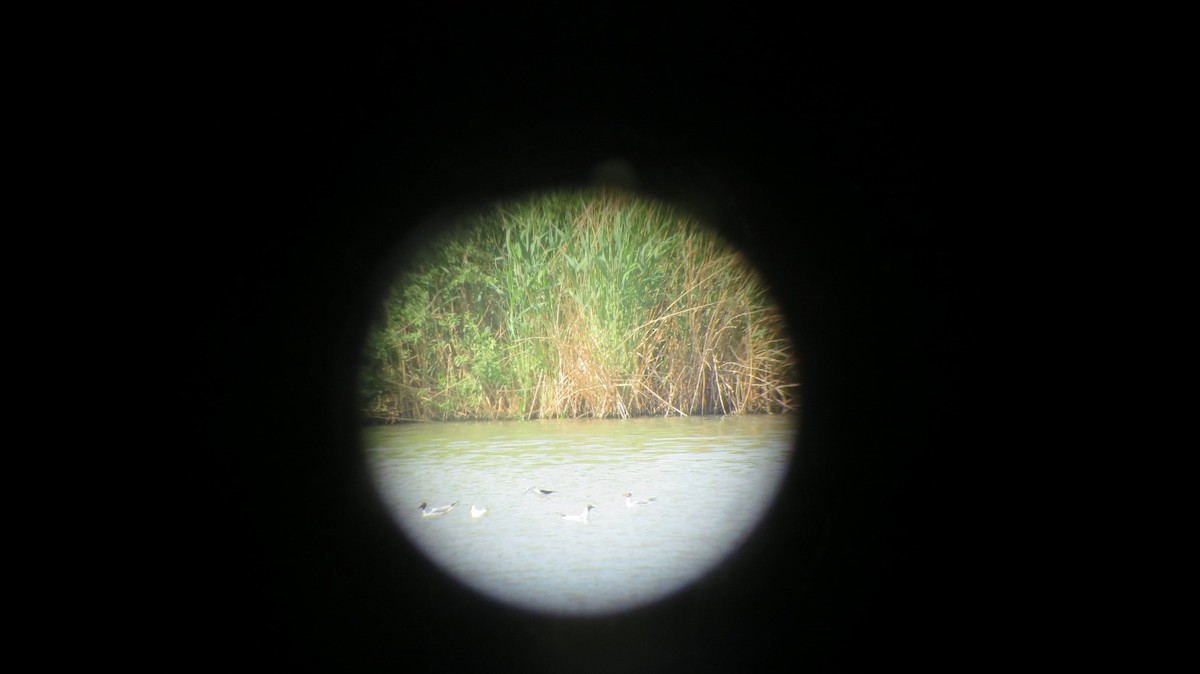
578	304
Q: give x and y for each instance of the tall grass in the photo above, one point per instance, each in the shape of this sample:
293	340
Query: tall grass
581	303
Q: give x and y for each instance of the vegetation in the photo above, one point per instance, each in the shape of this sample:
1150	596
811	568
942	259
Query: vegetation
578	304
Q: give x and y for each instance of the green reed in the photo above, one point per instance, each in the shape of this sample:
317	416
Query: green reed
580	303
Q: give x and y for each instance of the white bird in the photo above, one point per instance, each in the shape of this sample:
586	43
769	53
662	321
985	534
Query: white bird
436	512
582	517
540	493
630	503
477	512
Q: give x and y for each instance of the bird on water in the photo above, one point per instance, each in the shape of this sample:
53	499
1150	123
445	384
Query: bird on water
426	511
582	517
630	503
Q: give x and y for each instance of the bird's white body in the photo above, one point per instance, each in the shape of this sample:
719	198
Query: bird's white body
630	503
582	517
477	512
426	511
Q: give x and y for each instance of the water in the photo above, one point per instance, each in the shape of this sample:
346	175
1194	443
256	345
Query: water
713	478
